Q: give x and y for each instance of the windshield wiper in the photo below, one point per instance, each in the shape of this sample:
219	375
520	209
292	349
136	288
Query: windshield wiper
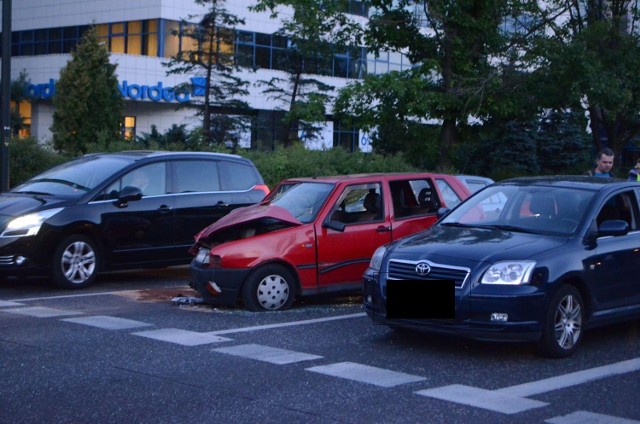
35	193
459	224
63	182
506	227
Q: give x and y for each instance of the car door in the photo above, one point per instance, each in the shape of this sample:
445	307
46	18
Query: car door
199	198
139	231
617	259
414	203
344	255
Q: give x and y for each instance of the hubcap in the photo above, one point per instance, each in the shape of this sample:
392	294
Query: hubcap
568	322
78	262
273	292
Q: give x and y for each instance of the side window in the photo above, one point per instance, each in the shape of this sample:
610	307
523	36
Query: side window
413	197
449	195
151	179
195	176
359	203
622	206
237	176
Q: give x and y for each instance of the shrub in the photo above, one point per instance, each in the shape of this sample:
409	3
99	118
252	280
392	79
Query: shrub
28	158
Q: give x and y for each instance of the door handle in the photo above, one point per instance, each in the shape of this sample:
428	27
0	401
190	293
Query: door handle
222	204
164	209
383	228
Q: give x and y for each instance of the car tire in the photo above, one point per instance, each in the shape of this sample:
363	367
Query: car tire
269	288
562	327
75	262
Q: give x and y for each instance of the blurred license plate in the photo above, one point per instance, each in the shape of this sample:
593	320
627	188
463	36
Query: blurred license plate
421	299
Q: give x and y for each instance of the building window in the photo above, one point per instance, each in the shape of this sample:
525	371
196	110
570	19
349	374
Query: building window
20	118
345	135
129	127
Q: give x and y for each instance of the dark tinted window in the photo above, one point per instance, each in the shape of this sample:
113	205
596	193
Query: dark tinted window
195	176
151	179
237	176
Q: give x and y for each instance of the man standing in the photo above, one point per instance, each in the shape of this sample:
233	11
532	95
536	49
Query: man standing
604	163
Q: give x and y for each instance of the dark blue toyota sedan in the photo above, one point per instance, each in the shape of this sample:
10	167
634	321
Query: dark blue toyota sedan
559	256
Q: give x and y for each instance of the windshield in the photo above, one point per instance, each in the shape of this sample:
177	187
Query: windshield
533	209
74	178
302	200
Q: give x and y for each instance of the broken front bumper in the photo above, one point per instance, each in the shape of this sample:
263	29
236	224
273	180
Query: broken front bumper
217	286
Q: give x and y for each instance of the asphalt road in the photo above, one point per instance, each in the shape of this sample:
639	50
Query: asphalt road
123	352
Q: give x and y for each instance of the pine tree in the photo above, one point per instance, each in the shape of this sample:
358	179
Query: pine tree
211	59
88	105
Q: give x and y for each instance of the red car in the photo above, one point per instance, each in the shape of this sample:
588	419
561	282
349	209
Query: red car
313	235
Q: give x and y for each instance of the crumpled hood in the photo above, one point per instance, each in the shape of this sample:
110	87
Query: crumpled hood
258	212
473	245
13	205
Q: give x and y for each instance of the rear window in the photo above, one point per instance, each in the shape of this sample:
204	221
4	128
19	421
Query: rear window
236	176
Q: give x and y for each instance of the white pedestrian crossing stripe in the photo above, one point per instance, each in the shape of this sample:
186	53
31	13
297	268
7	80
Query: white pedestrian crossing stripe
586	417
366	374
6	303
480	398
181	337
40	312
267	354
107	322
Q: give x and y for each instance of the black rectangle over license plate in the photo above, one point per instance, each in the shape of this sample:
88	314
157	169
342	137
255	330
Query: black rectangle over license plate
421	299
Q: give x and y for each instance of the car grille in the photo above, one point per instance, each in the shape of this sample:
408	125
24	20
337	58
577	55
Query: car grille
406	270
6	260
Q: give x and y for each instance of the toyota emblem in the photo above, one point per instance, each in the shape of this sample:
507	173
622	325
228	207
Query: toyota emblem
423	268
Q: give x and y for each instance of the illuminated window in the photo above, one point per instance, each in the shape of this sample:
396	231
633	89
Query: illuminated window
129	127
117	38
134	37
171	40
20	118
150	38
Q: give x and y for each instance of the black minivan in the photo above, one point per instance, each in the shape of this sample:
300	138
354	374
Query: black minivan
108	211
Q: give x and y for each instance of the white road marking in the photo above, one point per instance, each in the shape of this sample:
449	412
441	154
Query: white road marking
498	400
267	354
586	417
366	374
480	398
287	324
67	296
40	312
181	337
572	379
107	322
6	303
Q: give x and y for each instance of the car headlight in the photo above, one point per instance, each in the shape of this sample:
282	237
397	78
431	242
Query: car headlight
28	225
508	272
376	260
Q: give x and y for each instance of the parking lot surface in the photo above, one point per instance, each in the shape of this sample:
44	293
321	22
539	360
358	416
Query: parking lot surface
126	352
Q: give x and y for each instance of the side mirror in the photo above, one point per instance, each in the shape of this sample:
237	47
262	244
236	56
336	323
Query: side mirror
442	212
334	225
128	194
613	227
